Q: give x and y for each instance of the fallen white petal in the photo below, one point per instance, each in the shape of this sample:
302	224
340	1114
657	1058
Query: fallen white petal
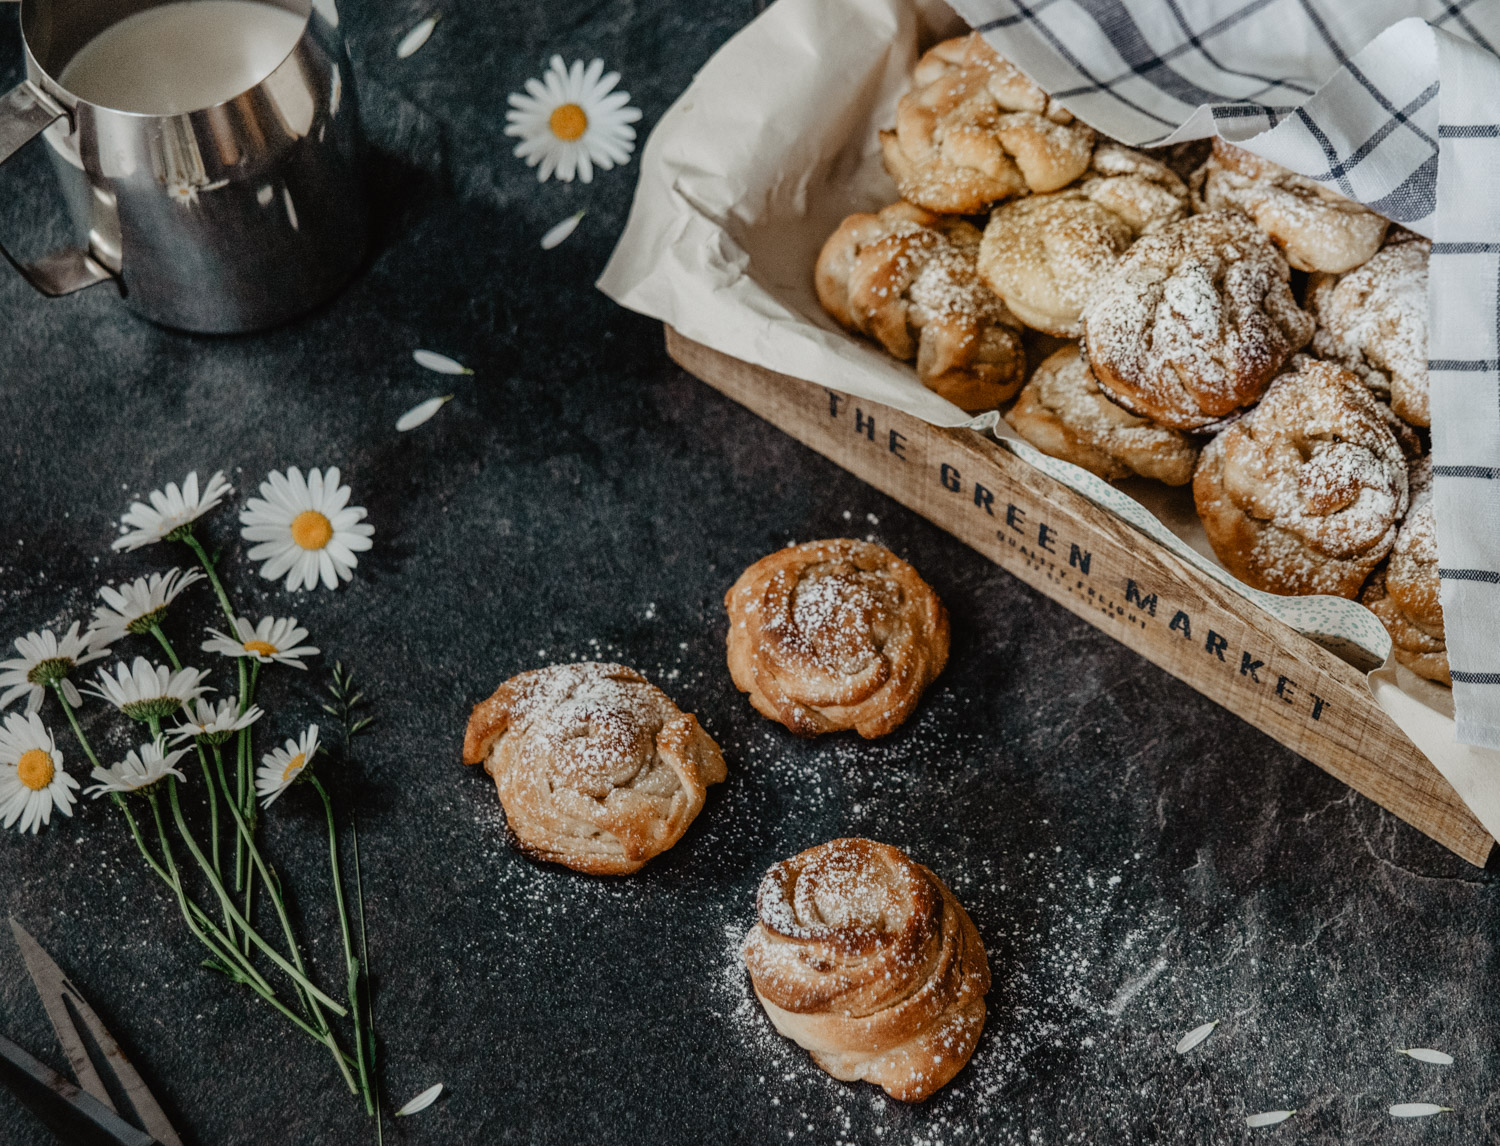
1196	1036
416	37
1268	1118
421	412
440	363
1417	1109
421	1102
1426	1054
560	232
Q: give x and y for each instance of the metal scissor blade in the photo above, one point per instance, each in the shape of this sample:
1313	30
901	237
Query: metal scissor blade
48	1094
57	993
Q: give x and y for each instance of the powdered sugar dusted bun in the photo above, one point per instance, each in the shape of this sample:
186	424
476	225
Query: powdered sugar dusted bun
837	634
1319	229
907	279
1305	492
1417	647
597	769
1045	254
1406	597
1374	321
974	130
865	959
1194	321
1063	412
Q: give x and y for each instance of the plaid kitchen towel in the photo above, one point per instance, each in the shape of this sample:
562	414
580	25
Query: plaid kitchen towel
1395	103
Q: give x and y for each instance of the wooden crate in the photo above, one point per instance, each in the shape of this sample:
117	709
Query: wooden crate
1117	579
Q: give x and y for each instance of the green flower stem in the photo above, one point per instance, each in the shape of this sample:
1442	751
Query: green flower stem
192	542
213	820
216	941
83	741
240	921
240	743
351	962
242	867
260	863
169	879
135	830
245	767
161	639
218	944
368	1047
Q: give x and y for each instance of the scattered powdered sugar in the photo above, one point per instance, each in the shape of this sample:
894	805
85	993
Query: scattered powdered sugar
1070	950
1055	967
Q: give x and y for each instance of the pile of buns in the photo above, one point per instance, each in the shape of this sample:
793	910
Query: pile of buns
1228	324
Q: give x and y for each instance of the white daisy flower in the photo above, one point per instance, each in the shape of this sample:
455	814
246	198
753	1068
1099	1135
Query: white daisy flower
572	121
214	723
138	772
145	691
45	659
169	511
32	780
306	528
280	768
274	639
140	605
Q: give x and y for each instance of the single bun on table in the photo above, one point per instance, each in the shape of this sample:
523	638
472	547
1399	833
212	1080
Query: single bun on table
833	635
906	278
596	768
1404	594
974	130
1319	229
1305	493
1374	321
1063	412
866	960
1045	254
1194	321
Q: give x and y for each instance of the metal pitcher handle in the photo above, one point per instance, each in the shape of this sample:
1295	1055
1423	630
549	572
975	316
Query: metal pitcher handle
25	112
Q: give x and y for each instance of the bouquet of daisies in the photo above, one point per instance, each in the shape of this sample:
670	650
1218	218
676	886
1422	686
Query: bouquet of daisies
199	836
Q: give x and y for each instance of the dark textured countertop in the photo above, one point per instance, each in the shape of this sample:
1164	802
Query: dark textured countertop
1137	860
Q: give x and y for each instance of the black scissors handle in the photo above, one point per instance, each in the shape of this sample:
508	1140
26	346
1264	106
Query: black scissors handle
50	1095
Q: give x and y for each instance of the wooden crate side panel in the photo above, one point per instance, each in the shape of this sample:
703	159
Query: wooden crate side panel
1120	581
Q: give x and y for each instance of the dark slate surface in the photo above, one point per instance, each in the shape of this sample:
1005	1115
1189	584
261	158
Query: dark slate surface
1137	860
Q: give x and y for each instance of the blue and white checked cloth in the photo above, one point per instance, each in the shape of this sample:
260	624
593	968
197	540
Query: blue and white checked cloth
1395	103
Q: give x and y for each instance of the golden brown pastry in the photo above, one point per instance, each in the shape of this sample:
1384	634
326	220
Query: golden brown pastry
1374	321
1063	412
838	634
1045	254
866	960
907	279
1305	492
597	769
1404	595
973	130
1194	321
1319	229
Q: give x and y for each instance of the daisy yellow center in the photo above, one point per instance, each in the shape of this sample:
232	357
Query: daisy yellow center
293	766
568	122
311	530
264	648
34	769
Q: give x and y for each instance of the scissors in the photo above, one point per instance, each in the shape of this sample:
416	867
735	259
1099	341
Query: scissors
85	1113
